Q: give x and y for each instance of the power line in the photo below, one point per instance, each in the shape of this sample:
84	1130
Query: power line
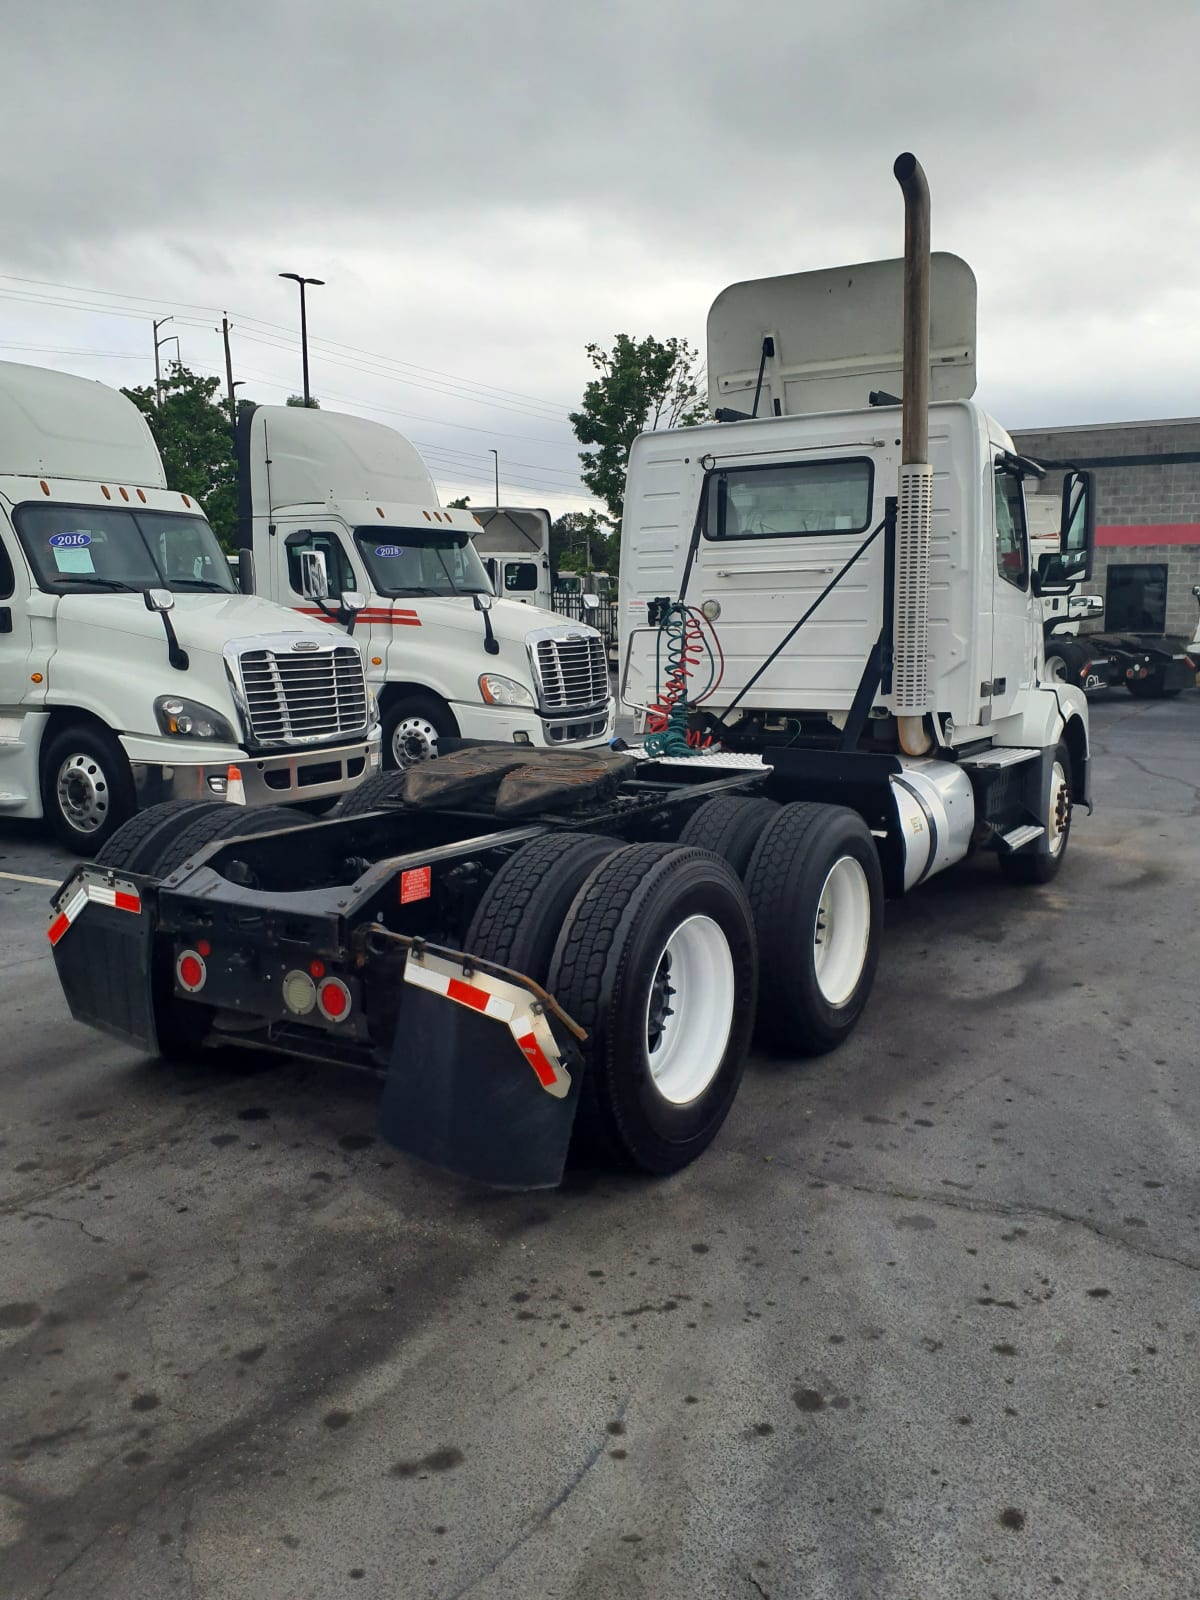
108	294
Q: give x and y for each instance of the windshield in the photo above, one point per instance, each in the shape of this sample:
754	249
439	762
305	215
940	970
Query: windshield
110	547
421	561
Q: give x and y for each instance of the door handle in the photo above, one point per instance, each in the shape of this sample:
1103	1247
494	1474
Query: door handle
750	572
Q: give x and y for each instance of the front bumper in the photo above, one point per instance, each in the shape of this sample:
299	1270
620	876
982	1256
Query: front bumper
160	774
524	725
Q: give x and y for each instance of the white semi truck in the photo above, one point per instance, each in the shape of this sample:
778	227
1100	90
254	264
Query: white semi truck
333	504
514	546
131	669
836	618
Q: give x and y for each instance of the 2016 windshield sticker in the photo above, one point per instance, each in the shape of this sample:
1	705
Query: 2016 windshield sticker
70	541
389	550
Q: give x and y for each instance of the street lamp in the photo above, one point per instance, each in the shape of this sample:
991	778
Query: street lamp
496	454
320	283
158	344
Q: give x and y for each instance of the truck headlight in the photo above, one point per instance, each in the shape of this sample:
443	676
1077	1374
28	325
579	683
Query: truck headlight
372	708
188	719
499	691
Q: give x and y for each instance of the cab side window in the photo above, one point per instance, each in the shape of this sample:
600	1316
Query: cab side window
337	563
1012	540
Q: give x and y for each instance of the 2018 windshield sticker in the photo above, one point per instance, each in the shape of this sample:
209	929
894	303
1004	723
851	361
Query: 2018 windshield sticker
70	541
389	550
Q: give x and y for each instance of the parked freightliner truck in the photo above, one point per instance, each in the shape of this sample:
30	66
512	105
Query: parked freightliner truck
333	503
837	630
131	669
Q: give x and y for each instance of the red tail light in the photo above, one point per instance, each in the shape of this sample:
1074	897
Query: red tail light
333	1000
190	971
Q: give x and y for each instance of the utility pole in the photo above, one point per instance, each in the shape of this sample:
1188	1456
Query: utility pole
496	454
158	344
229	375
320	283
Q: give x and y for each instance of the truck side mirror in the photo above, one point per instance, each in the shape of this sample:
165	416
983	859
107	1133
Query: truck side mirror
353	600
591	602
313	576
158	599
245	571
1078	538
1050	576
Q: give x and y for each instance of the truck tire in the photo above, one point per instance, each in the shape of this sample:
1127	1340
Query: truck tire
816	889
412	728
1152	688
379	792
87	787
1065	660
652	925
517	922
226	822
137	842
1043	867
730	826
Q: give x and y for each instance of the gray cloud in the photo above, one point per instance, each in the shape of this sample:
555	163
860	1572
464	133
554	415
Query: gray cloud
488	186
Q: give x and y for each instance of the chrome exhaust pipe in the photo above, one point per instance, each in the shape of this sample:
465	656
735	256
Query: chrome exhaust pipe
914	520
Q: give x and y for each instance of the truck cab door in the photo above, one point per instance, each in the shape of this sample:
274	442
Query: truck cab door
295	554
1014	612
15	631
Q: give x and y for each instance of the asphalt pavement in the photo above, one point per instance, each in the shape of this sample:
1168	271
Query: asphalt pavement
923	1323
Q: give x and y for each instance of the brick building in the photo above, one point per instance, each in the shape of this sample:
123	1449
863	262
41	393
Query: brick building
1147	515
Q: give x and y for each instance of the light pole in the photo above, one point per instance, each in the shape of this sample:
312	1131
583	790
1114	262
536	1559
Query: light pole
158	344
320	283
496	454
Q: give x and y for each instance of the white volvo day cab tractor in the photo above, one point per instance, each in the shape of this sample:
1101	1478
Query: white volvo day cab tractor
132	671
835	628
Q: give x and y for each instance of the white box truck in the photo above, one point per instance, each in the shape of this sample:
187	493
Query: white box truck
132	671
333	503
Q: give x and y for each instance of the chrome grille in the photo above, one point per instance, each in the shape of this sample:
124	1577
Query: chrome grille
572	670
303	697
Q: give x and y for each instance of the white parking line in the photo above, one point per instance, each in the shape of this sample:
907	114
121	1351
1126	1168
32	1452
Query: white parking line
21	877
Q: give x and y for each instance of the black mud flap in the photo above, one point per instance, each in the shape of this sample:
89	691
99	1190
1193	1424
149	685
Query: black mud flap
102	935
461	1095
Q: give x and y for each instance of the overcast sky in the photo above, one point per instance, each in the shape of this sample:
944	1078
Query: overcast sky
486	188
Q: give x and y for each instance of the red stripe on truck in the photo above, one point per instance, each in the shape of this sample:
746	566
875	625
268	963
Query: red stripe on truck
538	1060
468	995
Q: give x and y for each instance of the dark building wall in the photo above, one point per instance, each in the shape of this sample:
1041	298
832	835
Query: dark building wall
1148	500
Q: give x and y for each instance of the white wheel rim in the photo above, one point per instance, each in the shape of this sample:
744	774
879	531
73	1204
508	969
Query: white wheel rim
1059	819
82	790
414	739
842	930
689	1010
1056	669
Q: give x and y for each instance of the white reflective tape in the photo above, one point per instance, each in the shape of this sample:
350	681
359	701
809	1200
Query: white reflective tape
101	894
505	1002
75	904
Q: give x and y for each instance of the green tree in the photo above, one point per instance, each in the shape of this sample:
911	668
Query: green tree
580	542
460	504
642	385
312	403
191	430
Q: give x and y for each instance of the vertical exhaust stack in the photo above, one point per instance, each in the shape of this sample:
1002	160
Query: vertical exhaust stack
914	520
